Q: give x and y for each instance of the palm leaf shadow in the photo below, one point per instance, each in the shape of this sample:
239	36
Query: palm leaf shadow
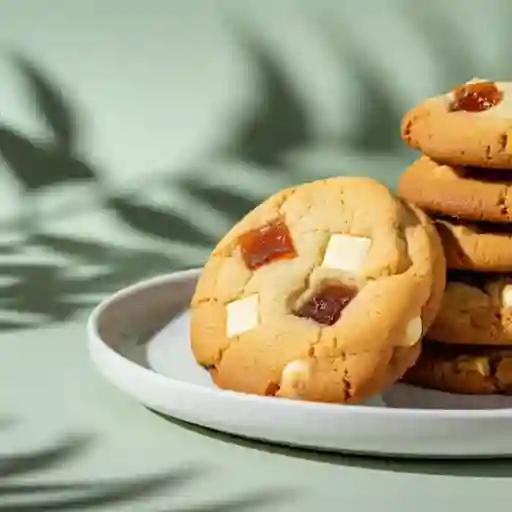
78	496
40	164
443	38
39	289
24	463
42	496
47	290
280	123
50	102
17	494
153	221
84	250
379	115
230	201
123	265
37	166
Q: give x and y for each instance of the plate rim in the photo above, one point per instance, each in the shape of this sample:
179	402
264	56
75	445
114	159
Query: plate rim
95	342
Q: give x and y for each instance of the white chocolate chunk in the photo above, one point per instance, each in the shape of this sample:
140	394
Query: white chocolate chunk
414	331
294	377
506	296
347	253
478	364
242	315
295	369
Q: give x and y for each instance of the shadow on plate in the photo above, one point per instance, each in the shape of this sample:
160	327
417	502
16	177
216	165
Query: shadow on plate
481	467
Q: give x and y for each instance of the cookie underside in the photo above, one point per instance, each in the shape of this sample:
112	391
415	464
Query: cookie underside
463	369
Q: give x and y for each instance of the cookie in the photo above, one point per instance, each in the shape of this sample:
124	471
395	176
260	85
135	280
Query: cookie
457	191
470	126
476	309
321	293
476	246
463	369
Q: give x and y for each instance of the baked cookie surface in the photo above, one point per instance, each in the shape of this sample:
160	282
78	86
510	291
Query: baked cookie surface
457	191
471	125
322	293
463	369
476	246
476	309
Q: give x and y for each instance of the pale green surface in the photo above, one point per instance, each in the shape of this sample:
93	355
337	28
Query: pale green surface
164	98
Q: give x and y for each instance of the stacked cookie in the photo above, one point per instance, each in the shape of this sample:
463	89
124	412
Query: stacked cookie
463	179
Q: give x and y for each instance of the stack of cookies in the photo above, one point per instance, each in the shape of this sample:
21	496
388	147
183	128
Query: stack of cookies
463	180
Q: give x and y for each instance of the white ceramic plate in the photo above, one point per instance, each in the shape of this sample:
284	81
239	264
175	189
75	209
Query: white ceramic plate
138	339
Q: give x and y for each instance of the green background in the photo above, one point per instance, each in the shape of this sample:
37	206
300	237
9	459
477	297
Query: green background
132	136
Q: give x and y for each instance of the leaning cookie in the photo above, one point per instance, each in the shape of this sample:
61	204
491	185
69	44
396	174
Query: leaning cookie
471	125
463	369
457	191
476	309
321	293
482	247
